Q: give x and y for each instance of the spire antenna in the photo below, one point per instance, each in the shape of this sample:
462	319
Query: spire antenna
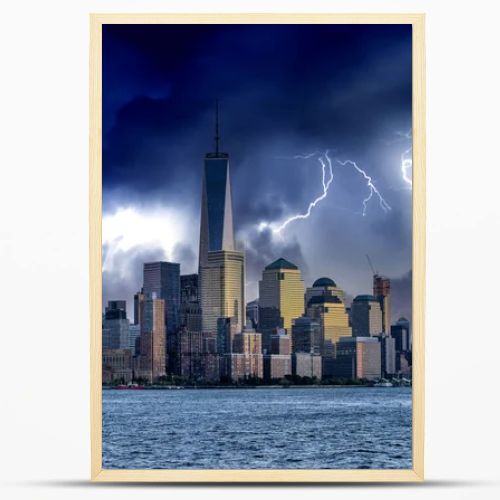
217	136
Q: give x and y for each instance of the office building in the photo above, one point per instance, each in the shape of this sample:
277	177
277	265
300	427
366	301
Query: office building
366	316
329	311
324	287
133	339
116	366
115	326
198	358
358	358
277	366
307	335
382	292
281	298
306	364
222	285
189	288
227	328
388	355
401	334
153	338
138	298
246	360
281	343
252	313
221	266
163	279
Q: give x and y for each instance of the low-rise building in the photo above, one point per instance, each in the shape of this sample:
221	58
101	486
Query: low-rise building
277	366
307	365
116	366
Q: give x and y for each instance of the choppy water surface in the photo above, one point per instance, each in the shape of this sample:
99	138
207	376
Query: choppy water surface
312	428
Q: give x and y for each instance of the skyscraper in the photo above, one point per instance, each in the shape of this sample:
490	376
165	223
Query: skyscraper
153	341
216	229
330	312
382	292
189	288
115	326
324	287
307	336
281	298
163	279
138	298
221	267
366	316
222	286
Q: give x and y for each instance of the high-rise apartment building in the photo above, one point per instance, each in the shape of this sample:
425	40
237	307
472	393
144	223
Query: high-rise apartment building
382	292
246	360
163	279
281	298
366	316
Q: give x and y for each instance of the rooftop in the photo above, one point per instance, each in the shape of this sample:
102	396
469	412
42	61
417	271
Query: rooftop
281	263
365	298
323	282
324	299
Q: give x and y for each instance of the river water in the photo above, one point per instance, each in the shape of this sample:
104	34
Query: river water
295	428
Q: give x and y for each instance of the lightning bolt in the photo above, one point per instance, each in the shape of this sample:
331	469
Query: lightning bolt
327	179
406	158
406	166
324	160
373	190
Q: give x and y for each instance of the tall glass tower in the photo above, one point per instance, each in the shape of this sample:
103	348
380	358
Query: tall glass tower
216	231
221	266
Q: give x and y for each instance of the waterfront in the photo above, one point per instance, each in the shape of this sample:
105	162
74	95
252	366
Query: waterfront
299	428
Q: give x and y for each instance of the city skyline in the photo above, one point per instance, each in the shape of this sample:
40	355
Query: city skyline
152	182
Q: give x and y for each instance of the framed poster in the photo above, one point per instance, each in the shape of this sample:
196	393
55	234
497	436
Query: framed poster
257	247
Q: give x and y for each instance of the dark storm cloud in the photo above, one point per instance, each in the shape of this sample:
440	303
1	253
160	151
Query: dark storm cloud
284	90
263	249
122	272
401	296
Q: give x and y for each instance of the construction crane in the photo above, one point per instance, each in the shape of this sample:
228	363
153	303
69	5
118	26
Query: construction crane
370	264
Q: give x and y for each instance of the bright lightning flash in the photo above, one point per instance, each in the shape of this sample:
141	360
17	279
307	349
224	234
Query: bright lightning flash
325	161
327	179
406	166
373	190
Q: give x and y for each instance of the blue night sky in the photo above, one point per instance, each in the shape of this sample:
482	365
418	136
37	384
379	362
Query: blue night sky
284	90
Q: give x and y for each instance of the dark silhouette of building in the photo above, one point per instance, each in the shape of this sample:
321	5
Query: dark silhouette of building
358	358
115	326
307	335
189	288
163	279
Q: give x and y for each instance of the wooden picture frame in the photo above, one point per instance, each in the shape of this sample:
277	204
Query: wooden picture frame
419	248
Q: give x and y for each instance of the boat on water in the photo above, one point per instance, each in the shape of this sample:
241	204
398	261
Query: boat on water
132	387
384	383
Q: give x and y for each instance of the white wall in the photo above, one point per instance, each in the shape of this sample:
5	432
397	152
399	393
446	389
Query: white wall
43	247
